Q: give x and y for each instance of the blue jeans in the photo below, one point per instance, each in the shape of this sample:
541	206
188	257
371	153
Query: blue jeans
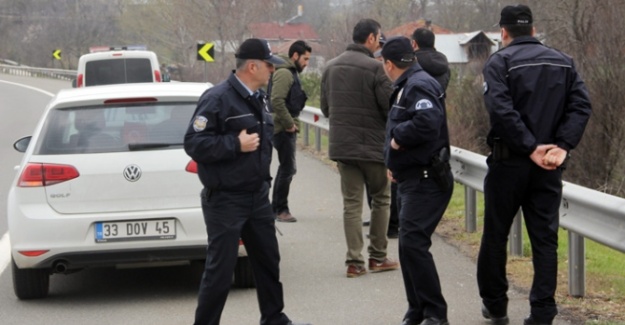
284	142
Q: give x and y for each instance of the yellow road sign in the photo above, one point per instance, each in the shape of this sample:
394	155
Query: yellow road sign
206	52
56	54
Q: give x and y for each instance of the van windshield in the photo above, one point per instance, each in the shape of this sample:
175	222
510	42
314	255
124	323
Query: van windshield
118	71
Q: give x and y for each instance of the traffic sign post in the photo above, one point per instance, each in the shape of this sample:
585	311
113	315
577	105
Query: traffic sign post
56	54
206	53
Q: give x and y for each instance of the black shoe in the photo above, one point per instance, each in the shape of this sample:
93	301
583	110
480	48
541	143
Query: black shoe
434	321
291	323
392	234
409	322
503	320
366	223
530	320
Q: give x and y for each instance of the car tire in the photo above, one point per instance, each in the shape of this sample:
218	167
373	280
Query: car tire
243	275
30	283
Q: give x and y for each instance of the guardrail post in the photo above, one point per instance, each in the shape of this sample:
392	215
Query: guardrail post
318	139
306	129
516	235
470	209
577	265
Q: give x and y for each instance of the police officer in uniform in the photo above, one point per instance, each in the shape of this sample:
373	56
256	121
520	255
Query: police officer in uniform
417	156
230	139
538	108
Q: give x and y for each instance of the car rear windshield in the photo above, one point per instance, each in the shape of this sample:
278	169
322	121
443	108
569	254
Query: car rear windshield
118	71
115	128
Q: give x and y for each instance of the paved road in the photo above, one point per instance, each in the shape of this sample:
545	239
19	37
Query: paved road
313	251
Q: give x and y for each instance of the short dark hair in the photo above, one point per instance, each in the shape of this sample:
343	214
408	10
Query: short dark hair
518	30
299	47
363	29
424	38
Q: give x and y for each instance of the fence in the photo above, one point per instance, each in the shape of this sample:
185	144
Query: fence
20	70
584	213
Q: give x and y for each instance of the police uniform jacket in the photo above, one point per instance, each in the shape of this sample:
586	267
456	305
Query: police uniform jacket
534	96
354	95
417	122
212	138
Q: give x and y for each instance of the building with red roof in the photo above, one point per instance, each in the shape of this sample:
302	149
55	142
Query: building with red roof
409	28
282	32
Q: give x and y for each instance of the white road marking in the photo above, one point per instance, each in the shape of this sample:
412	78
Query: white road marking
5	252
29	87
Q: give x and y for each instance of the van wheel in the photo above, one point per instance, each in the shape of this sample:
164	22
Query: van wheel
243	275
30	283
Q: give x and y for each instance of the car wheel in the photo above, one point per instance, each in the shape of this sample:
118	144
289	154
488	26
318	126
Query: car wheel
30	283
243	275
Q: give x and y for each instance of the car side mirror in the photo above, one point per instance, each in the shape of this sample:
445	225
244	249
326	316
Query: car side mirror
22	144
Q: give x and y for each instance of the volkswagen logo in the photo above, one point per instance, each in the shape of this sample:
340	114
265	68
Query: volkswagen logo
132	173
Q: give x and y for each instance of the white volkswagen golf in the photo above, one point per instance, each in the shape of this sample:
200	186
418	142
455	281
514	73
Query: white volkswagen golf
105	181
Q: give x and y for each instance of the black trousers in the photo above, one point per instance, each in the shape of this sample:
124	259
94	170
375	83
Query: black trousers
284	142
248	216
423	204
509	185
393	220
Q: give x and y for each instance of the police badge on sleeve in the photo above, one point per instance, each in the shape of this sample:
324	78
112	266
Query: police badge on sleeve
199	124
423	104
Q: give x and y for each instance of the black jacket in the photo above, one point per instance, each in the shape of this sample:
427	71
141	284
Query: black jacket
417	121
534	96
212	138
435	63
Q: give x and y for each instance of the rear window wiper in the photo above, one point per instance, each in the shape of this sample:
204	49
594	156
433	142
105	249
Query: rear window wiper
150	145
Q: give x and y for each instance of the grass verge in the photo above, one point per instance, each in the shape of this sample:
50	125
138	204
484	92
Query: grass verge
604	302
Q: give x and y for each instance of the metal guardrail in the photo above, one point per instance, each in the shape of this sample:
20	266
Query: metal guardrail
20	70
584	213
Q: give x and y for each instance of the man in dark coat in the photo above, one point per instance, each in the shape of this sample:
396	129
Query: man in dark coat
433	62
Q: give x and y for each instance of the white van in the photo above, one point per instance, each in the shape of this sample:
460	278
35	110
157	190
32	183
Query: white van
117	67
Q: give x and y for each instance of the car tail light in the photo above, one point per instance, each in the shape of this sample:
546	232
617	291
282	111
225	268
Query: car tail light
33	253
79	80
37	175
157	76
191	167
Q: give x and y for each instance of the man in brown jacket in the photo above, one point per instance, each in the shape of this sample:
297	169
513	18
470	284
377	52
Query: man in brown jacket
355	95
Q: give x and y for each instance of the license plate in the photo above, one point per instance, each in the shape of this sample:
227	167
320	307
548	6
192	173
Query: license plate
157	229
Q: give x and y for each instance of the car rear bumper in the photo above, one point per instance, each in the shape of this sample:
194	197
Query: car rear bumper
79	260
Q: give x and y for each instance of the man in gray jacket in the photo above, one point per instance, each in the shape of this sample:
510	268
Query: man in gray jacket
355	95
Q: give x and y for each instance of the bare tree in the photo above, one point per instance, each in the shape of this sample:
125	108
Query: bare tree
592	32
